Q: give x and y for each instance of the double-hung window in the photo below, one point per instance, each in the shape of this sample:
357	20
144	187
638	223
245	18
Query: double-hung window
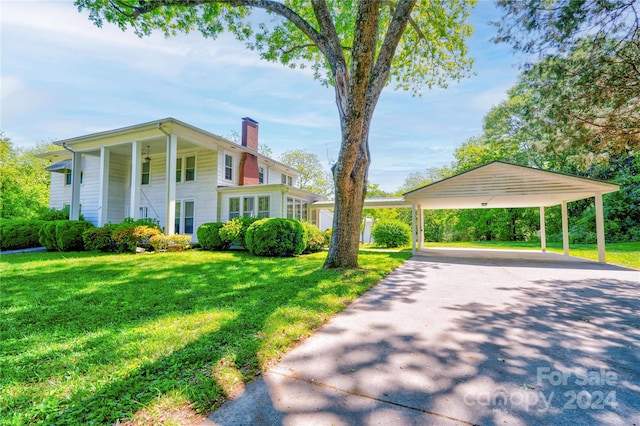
228	167
260	175
185	213
146	173
296	209
263	206
188	164
68	176
248	206
179	170
234	207
286	180
190	169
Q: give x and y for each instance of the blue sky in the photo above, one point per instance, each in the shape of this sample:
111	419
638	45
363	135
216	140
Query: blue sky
63	77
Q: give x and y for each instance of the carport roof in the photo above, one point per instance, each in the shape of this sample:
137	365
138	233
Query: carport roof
499	184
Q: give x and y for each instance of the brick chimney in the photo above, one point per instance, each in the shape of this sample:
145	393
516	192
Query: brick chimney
249	173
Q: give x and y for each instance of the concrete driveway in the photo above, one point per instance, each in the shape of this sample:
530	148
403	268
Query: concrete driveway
460	337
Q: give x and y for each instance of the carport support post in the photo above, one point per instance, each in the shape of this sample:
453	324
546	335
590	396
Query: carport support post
420	227
413	227
600	229
543	232
565	229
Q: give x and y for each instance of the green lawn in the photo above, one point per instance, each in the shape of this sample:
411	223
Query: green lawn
623	254
90	338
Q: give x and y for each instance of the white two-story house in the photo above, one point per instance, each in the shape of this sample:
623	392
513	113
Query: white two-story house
176	173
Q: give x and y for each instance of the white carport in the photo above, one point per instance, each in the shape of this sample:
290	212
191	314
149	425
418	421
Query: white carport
504	185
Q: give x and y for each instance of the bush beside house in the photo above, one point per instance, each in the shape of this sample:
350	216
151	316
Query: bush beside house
18	234
391	233
209	236
276	237
315	238
68	234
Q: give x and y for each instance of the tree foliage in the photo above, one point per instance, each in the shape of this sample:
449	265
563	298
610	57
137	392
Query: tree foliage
356	46
24	184
314	178
588	79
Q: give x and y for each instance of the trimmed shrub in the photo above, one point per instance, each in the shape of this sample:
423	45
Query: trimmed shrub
18	234
100	239
230	231
129	237
391	233
47	236
176	242
235	230
276	237
69	234
315	238
209	236
327	236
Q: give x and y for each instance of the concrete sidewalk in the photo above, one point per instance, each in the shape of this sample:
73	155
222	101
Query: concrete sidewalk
457	338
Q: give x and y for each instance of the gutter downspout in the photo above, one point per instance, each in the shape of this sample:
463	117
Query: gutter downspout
74	209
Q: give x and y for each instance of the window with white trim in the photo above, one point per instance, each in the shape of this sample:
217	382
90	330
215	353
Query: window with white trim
185	216
260	175
179	170
286	179
228	167
143	212
234	207
188	164
248	206
68	177
264	206
190	169
296	208
146	173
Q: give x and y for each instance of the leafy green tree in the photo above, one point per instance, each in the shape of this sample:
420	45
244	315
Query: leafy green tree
588	78
24	184
314	178
356	46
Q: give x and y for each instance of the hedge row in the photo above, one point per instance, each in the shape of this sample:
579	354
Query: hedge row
262	237
124	237
19	234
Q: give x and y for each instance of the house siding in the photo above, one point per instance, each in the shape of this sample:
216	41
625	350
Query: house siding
118	189
89	190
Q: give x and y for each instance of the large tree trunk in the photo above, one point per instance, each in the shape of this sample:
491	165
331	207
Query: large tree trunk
356	96
350	193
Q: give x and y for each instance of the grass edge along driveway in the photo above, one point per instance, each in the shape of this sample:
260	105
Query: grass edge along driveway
162	338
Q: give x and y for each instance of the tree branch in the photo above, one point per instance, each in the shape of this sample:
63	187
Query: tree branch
146	6
397	27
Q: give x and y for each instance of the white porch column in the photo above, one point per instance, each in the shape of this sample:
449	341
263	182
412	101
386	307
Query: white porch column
103	197
76	170
413	227
420	227
543	232
565	229
134	204
600	229
172	156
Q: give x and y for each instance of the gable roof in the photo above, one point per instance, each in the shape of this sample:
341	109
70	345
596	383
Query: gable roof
500	184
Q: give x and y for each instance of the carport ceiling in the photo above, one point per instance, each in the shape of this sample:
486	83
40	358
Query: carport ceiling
501	184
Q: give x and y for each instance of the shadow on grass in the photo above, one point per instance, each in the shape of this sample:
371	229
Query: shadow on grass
95	338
